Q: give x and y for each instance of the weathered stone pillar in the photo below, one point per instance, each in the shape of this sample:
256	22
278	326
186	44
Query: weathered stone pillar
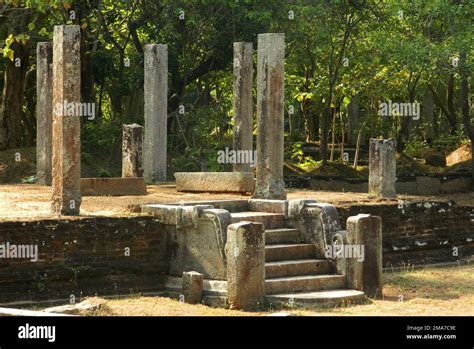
245	251
353	120
132	154
382	168
365	273
429	117
243	101
44	111
192	287
156	112
270	127
66	196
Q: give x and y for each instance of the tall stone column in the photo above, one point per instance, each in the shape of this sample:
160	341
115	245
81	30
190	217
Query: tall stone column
365	273
156	112
429	116
132	153
270	117
243	101
245	251
66	196
353	120
382	168
44	111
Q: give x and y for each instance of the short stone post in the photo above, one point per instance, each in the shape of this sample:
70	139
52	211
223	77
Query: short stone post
44	111
382	168
192	287
132	142
66	139
365	273
156	112
245	251
243	101
270	117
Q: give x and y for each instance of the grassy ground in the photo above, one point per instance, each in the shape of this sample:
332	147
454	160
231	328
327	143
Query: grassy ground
430	292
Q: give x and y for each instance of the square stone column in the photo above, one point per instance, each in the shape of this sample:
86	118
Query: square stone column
365	274
44	111
243	101
382	168
353	120
156	112
132	154
66	195
192	287
245	251
270	117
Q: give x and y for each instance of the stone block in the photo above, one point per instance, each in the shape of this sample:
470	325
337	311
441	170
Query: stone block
382	168
245	251
192	287
365	274
132	153
236	182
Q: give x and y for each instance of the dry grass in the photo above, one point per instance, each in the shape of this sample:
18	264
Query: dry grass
429	292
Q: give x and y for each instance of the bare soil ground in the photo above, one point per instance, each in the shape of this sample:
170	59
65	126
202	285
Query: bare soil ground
427	292
32	201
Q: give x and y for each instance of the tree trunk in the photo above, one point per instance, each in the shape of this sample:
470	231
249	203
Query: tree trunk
12	97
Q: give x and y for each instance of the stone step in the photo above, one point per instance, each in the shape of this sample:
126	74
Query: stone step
304	283
269	220
322	298
297	267
285	252
282	236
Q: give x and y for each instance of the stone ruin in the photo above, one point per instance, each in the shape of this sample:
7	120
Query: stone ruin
252	251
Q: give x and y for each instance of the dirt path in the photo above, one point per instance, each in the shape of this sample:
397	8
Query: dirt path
31	201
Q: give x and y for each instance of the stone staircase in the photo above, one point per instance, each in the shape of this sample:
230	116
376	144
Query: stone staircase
293	273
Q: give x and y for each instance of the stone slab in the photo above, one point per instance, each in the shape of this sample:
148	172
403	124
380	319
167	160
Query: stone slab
221	182
113	186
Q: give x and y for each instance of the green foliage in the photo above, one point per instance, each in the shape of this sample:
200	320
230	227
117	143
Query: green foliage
391	50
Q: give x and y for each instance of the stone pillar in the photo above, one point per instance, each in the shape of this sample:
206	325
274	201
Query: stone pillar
156	112
243	101
270	127
66	173
192	287
429	117
132	154
245	251
365	273
353	120
382	168
44	111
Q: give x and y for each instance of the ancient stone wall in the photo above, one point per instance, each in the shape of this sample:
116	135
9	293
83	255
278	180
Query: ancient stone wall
421	233
84	257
